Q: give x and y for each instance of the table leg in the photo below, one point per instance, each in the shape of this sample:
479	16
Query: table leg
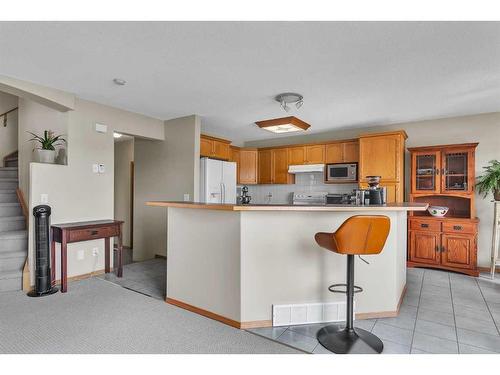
64	264
120	255
107	256
52	258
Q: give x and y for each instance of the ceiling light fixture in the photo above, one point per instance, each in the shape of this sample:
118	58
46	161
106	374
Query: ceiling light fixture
119	81
288	98
117	135
283	125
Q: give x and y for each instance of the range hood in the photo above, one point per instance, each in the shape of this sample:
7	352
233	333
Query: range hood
307	168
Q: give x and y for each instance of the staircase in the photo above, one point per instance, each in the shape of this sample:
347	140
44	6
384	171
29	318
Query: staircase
13	233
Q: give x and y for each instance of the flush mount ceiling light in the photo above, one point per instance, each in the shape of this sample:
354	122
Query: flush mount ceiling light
288	98
283	125
119	81
117	135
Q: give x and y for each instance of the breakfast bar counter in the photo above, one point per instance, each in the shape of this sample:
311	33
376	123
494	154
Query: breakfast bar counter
247	265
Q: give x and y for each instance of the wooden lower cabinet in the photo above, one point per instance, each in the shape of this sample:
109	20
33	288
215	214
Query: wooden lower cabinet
458	250
425	247
442	243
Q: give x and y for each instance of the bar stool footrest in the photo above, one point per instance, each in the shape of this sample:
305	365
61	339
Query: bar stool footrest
332	288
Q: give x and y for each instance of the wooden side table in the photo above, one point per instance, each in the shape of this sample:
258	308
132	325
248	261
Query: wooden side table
85	231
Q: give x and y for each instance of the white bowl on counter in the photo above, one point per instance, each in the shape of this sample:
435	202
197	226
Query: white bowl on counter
437	211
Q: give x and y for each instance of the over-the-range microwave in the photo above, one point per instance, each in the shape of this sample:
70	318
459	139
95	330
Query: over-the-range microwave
342	172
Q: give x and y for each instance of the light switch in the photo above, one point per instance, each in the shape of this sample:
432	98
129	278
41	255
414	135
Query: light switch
101	168
101	128
95	168
44	198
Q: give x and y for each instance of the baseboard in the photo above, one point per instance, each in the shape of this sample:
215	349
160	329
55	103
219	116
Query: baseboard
488	269
383	314
75	278
205	313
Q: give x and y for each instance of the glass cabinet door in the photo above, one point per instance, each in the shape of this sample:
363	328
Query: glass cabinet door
426	172
455	177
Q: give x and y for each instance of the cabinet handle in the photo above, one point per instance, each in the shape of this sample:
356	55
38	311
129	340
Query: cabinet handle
424	225
443	249
457	227
436	170
437	248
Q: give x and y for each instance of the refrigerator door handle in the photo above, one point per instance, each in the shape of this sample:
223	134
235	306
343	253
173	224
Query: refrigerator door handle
223	192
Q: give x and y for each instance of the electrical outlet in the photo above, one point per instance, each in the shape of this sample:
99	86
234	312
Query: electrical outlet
95	251
44	198
102	169
186	197
95	168
80	254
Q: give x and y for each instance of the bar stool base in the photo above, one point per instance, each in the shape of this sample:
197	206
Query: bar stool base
342	341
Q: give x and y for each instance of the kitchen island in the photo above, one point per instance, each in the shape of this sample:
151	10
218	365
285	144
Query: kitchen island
234	263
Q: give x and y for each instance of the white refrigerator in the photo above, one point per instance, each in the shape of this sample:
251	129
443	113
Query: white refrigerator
217	181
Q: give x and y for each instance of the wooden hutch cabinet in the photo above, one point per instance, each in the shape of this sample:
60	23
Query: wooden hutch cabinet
444	176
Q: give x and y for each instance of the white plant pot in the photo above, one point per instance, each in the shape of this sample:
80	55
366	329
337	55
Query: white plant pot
46	156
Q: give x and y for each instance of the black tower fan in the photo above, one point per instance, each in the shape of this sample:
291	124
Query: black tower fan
43	283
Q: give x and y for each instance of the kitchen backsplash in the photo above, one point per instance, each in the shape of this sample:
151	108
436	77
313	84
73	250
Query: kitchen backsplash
304	182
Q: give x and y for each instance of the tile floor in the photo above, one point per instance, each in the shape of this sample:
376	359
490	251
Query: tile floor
442	312
148	277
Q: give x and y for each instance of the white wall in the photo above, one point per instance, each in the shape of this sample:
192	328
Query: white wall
164	170
75	192
483	128
124	155
8	134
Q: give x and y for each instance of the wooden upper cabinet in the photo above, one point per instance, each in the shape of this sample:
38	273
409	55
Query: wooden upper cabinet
382	155
280	167
248	167
334	153
265	167
216	148
342	152
206	147
350	152
297	155
315	154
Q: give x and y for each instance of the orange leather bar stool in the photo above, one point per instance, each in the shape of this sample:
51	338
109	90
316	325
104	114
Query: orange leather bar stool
358	235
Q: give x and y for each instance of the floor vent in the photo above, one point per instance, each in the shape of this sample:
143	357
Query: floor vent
309	313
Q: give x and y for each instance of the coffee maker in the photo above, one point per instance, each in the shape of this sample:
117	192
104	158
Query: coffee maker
377	194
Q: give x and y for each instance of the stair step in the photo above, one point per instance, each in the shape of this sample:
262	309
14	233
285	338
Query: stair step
11	281
8	223
8	209
8	196
8	172
16	240
11	163
8	183
12	260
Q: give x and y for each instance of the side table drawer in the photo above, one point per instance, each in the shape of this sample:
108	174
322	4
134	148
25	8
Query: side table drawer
469	228
93	233
426	225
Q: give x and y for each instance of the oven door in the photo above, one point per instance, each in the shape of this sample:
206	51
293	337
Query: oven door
341	172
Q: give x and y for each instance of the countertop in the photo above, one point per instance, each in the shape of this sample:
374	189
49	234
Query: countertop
405	206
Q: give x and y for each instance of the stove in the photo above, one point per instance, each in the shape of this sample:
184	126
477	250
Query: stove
313	198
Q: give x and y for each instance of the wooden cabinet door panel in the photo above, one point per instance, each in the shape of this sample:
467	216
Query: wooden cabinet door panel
425	247
380	156
234	156
334	152
265	167
206	147
220	150
280	166
458	250
425	172
350	152
315	154
297	155
248	167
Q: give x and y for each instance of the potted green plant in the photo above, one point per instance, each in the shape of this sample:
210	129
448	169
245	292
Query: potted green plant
46	152
490	180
